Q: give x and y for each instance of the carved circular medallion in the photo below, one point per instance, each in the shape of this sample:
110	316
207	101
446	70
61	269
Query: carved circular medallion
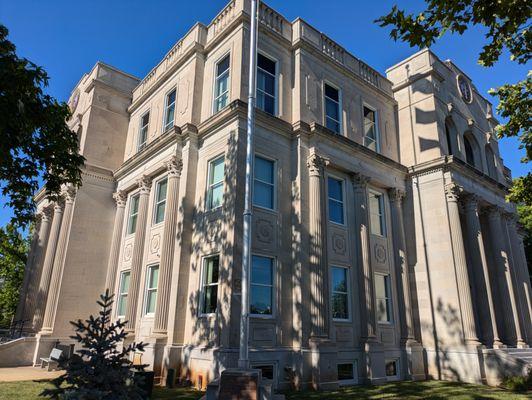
464	88
128	251
155	243
339	244
380	253
264	231
74	101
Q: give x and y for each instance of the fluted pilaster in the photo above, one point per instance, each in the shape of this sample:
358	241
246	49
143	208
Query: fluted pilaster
318	257
399	243
59	262
174	167
360	187
144	184
452	192
121	199
478	256
44	284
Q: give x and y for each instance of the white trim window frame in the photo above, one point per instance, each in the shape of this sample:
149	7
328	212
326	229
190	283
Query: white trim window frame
354	378
373	143
123	290
222	84
383	296
160	203
143	130
330	122
169	108
396	369
379	213
264	183
260	284
150	292
341	292
132	215
207	288
214	186
334	201
262	93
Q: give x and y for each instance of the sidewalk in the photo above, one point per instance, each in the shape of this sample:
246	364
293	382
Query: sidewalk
27	374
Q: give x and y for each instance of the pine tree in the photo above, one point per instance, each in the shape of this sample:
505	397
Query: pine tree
99	370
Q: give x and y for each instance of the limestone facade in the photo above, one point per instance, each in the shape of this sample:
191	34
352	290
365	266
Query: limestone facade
382	248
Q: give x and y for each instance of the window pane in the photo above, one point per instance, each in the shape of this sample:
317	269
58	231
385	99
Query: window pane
332	125
332	109
264	169
336	212
261	300
369	114
345	372
161	192
171	98
154	277
380	288
339	279
124	283
122	303
391	368
210	299
217	170
151	302
159	212
261	270
211	270
340	306
263	195
267	371
335	189
216	196
266	64
222	66
332	93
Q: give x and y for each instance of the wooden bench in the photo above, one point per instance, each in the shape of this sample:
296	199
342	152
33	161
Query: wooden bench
53	360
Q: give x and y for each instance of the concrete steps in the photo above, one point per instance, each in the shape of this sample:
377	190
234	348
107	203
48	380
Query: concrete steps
521	354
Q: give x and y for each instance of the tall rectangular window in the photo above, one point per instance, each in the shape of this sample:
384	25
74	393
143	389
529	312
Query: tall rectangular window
160	201
340	293
266	82
221	89
336	200
143	130
216	183
371	135
261	285
169	110
376	212
122	293
209	300
264	183
133	213
383	297
332	108
152	279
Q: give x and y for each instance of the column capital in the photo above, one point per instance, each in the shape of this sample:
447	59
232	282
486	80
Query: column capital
174	167
470	201
509	217
47	212
144	183
316	164
359	180
396	195
69	193
453	191
120	197
59	204
492	211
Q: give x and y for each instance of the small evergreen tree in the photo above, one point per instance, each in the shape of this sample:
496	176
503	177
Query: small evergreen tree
99	370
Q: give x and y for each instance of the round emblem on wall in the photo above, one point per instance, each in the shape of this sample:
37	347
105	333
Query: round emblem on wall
380	254
127	252
464	88
74	101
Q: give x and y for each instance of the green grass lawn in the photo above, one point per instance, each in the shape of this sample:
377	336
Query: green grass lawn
29	390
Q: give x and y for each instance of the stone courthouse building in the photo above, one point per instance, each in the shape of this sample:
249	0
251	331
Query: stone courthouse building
383	248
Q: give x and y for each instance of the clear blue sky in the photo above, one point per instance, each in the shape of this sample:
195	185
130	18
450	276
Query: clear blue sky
68	37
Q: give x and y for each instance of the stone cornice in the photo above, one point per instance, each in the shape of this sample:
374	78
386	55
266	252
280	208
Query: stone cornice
450	163
98	82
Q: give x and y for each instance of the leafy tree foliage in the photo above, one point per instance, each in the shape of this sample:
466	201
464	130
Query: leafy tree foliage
35	140
13	250
100	370
507	24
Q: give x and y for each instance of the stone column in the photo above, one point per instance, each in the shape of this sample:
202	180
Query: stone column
318	254
525	280
144	184
59	262
29	271
121	199
360	186
509	273
174	167
452	192
399	244
478	256
40	249
44	284
499	264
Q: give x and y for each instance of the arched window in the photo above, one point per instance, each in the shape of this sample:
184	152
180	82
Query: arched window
450	137
490	162
470	153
